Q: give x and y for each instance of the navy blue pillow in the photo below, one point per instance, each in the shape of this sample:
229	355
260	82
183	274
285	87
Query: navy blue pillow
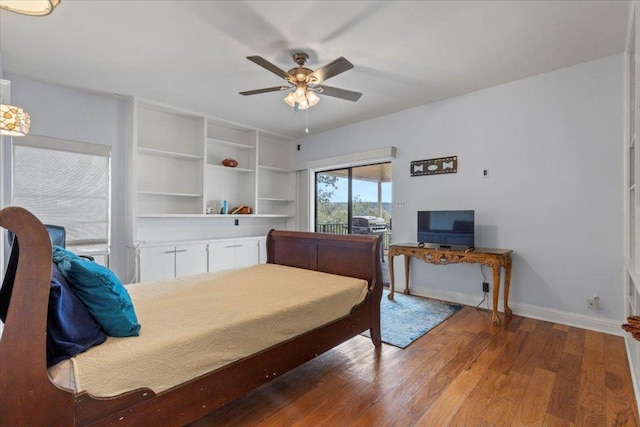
70	327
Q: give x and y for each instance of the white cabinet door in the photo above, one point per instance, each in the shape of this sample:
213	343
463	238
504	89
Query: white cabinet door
168	262
225	254
191	259
157	263
247	252
221	255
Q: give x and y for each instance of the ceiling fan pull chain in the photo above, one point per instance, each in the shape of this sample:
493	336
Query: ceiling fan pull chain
306	130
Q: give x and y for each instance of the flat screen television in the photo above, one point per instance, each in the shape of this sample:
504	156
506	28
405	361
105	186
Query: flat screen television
446	228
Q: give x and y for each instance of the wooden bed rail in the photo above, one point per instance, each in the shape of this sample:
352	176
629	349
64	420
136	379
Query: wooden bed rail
29	398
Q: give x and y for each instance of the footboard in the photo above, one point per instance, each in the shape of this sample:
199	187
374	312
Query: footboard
28	397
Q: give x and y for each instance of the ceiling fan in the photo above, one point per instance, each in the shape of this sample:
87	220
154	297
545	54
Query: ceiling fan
305	84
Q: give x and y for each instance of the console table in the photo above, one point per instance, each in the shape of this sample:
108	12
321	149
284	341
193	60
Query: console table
494	258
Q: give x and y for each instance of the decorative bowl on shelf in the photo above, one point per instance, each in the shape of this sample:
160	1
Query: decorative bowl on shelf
230	163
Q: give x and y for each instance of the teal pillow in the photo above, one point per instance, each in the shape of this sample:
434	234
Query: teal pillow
101	291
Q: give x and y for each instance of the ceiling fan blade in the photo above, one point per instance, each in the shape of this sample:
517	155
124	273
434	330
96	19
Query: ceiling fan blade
269	66
341	93
265	90
332	69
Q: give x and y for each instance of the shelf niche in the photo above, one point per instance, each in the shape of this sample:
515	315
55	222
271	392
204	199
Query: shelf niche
178	172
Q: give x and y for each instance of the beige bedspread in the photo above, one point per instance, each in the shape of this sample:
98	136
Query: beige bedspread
195	324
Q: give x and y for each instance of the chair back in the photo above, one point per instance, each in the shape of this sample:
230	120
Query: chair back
57	234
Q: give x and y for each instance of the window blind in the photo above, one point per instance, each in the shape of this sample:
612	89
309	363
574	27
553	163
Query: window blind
65	183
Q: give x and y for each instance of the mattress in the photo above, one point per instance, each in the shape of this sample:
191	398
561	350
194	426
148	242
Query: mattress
196	324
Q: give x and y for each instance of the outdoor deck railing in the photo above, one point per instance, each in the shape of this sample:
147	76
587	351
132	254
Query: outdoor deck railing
342	229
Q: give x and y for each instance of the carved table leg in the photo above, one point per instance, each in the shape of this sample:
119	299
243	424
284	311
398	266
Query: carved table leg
496	293
507	283
392	285
406	274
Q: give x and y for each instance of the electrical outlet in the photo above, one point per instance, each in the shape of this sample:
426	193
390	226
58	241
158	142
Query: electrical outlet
485	287
592	303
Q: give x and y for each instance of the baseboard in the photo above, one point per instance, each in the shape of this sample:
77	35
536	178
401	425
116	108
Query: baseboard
591	323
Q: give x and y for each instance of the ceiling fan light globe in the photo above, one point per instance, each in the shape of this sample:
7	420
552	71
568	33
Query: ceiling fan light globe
299	92
303	105
312	98
290	99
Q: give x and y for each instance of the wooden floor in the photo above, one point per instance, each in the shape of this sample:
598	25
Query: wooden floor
465	372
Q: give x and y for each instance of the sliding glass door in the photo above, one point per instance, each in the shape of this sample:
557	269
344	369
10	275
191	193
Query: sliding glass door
355	200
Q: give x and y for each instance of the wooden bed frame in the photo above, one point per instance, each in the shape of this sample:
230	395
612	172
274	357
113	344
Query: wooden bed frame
28	397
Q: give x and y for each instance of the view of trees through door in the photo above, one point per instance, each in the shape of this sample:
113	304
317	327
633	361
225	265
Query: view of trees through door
355	200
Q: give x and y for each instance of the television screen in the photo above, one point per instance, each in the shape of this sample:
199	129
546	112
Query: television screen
446	228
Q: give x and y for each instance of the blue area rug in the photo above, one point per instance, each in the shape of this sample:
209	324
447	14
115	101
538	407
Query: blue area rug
406	318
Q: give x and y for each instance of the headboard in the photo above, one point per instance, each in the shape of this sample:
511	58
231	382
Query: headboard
325	254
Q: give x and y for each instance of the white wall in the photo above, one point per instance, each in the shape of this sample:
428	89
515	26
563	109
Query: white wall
75	115
553	145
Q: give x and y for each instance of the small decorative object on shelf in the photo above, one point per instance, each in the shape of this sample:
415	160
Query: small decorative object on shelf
217	207
633	326
230	163
242	210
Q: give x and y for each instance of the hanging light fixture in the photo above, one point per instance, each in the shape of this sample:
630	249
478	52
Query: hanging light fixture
302	98
14	121
30	7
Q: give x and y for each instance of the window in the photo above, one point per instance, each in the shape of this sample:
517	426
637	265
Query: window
65	183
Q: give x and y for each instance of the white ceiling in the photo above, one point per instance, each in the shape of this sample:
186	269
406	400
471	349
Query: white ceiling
191	54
